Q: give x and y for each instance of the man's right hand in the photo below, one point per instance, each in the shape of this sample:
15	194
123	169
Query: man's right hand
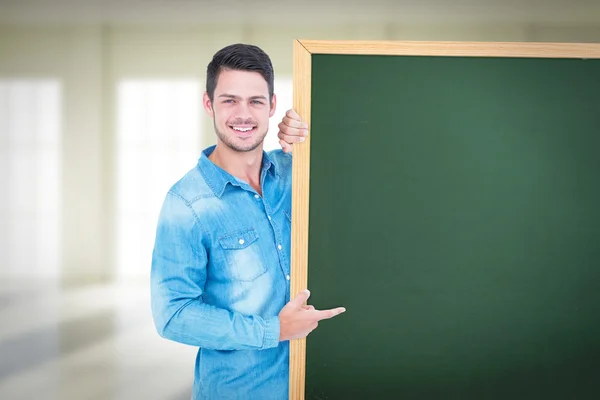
298	320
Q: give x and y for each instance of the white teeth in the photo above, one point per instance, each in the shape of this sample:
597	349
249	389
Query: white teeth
242	129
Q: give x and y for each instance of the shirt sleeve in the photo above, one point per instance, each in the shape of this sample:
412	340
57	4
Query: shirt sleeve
178	274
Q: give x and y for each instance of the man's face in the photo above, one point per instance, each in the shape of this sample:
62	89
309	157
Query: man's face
240	109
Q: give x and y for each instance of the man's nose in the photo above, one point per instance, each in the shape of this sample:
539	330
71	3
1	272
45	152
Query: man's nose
242	110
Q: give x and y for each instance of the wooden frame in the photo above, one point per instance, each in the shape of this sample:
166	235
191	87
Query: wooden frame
303	51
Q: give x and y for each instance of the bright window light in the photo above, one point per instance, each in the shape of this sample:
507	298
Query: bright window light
158	140
30	175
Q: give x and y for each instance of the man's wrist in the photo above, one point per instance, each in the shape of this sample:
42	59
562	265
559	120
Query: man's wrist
272	332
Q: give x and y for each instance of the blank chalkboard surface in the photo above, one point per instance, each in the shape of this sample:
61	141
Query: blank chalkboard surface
452	204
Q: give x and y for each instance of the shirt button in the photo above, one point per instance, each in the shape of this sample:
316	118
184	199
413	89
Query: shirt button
279	246
287	277
256	196
268	216
241	241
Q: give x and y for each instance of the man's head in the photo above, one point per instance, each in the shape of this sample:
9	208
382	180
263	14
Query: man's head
239	95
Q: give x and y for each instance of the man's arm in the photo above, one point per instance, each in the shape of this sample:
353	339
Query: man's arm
177	282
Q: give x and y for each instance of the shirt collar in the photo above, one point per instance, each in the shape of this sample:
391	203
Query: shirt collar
217	178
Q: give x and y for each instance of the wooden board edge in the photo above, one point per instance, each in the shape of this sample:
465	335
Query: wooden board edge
300	196
458	49
302	61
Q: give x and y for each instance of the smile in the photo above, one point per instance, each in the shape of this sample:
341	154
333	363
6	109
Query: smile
243	131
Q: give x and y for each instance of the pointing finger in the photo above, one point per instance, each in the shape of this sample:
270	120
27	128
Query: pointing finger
327	314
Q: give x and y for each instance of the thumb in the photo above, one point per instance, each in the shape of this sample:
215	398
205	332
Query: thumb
301	298
285	146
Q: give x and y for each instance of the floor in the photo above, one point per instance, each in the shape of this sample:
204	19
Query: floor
93	342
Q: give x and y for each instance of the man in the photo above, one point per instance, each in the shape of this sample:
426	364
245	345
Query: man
221	262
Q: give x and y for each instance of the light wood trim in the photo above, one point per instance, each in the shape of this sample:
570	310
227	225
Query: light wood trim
477	49
300	195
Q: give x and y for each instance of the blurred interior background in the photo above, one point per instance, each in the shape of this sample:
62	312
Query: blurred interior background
100	112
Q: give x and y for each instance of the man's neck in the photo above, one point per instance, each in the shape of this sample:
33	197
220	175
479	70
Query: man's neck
243	165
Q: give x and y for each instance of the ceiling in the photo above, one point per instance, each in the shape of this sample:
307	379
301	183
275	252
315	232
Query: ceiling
304	12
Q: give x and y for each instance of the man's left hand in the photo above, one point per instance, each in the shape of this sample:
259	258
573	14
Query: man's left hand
291	130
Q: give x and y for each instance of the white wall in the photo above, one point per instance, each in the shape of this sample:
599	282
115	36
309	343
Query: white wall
91	60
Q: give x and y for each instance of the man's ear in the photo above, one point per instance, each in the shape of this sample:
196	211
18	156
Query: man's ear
273	106
208	107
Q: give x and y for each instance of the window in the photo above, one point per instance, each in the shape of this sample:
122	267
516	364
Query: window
30	175
158	140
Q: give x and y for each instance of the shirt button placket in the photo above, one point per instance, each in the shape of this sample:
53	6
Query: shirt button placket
279	247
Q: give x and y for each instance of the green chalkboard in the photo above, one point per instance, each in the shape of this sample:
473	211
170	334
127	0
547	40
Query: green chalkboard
455	213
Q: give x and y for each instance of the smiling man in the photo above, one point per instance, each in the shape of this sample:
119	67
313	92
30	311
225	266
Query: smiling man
220	277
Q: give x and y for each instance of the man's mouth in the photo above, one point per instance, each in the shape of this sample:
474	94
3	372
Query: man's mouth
244	130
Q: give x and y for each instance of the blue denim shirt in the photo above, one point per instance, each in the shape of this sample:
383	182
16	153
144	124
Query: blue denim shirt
221	275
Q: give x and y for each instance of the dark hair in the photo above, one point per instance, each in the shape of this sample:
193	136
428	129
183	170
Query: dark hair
241	57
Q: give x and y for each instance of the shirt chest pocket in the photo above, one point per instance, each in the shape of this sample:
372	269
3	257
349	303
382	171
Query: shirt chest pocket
241	255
